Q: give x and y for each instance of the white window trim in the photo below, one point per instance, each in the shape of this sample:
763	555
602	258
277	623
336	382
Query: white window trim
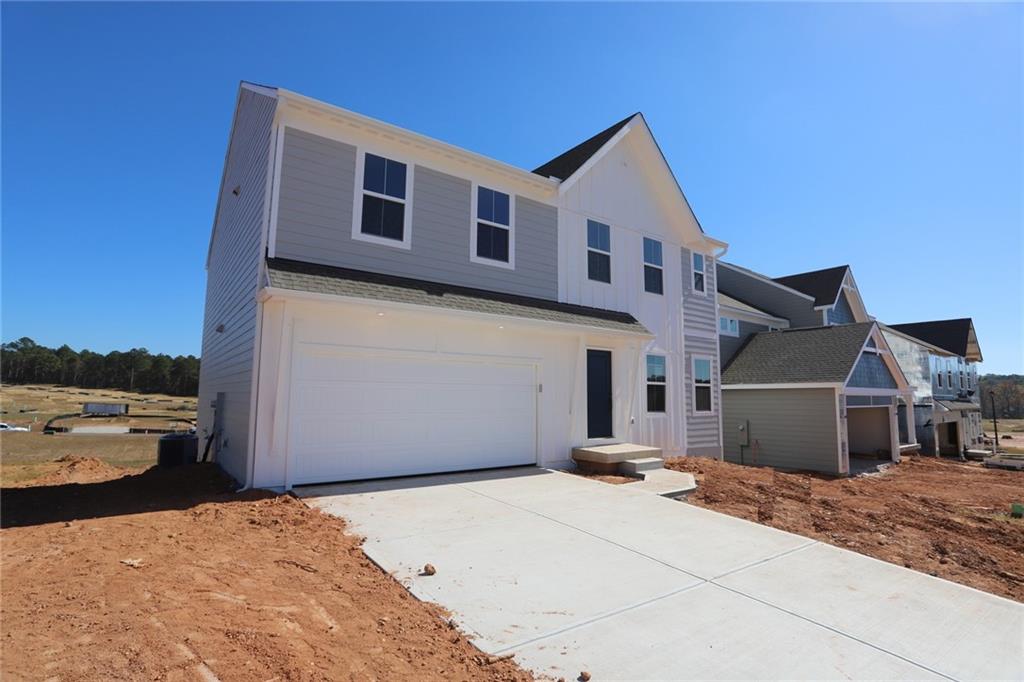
357	211
693	271
652	265
511	227
730	319
586	241
647	382
693	385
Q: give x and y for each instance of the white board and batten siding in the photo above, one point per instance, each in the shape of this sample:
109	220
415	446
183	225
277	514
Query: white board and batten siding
233	271
629	189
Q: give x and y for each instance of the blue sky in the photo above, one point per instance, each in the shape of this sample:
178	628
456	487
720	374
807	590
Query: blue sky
885	136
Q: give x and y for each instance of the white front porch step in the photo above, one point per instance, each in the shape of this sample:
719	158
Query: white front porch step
615	453
632	467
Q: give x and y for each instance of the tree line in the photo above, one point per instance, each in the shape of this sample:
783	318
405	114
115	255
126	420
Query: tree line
26	362
1008	390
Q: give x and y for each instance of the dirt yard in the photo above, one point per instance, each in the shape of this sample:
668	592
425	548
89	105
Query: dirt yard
168	574
940	517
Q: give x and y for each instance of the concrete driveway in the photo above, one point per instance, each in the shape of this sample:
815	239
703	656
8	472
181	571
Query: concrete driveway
572	574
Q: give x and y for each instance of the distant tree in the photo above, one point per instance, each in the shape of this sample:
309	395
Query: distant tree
1008	391
24	361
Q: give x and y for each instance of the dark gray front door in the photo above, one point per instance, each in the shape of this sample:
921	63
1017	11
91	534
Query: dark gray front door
599	394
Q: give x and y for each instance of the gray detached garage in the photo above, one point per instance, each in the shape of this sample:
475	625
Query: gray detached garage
812	398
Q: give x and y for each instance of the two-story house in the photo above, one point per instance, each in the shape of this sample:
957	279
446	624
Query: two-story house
939	359
808	380
380	303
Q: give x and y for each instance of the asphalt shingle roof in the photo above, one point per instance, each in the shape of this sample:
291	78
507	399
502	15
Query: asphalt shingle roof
567	163
310	277
951	335
823	285
796	356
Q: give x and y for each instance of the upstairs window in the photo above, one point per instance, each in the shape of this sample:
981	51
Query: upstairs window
599	252
939	378
653	268
656	383
730	326
698	273
384	202
493	230
701	384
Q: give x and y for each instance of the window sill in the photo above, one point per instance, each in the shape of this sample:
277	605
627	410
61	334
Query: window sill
480	260
383	241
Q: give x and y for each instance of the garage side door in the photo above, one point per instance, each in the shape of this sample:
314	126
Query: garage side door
366	415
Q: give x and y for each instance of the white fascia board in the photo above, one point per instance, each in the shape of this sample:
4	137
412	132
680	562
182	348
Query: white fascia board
291	294
740	387
223	176
301	101
762	278
854	390
751	316
885	353
597	156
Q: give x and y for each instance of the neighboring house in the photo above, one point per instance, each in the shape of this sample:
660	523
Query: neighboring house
812	398
808	380
380	303
939	359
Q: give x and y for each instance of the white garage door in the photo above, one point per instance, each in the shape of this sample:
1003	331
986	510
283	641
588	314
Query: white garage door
367	415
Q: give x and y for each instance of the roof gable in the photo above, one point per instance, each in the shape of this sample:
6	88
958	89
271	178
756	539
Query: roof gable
568	162
823	285
955	336
799	356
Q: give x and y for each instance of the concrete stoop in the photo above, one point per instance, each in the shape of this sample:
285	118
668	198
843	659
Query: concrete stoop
628	459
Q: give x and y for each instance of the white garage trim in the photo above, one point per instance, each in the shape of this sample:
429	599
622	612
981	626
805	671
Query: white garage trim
525	322
384	444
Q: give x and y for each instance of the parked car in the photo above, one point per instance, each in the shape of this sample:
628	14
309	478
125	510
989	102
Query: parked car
8	427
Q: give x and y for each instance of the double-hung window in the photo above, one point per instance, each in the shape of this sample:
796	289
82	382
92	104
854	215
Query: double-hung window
492	231
730	326
701	384
656	383
599	252
383	205
698	273
653	268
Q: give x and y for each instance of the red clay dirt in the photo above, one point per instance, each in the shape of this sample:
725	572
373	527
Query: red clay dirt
167	574
936	516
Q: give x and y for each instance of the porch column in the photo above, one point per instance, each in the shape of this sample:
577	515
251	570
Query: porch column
908	399
894	433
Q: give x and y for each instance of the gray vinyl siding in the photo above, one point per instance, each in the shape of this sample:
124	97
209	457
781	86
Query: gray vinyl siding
841	312
315	216
793	428
231	282
700	338
729	345
768	297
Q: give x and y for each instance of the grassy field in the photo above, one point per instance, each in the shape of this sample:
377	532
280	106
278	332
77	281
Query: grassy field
33	406
27	456
1014	428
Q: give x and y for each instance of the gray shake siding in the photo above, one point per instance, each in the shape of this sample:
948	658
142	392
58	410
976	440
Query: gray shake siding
729	345
768	297
700	338
315	224
871	372
788	428
231	282
841	313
